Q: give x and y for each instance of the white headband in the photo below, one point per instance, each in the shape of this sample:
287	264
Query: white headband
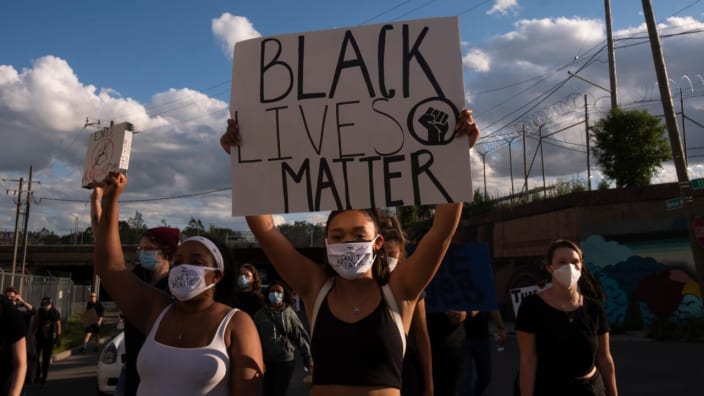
219	262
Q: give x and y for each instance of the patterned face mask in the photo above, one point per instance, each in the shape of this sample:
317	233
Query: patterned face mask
187	281
352	259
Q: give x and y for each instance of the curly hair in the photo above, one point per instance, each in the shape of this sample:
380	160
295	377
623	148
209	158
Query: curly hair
257	282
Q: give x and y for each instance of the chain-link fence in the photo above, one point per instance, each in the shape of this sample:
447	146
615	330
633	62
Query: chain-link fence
68	298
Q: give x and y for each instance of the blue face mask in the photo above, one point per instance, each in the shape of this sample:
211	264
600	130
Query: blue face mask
276	297
243	281
148	259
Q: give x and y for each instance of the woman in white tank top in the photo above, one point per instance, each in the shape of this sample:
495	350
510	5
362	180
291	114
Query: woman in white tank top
195	345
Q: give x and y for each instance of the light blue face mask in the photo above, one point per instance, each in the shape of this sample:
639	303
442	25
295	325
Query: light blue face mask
276	297
243	281
148	259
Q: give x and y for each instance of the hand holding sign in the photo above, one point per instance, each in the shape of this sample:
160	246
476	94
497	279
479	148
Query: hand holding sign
465	126
231	137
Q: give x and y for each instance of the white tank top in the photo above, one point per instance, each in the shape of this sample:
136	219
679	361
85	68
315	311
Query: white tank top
168	370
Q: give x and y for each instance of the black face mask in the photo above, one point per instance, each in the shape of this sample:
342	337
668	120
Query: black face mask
46	306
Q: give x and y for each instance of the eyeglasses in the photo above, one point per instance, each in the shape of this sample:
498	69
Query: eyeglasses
145	249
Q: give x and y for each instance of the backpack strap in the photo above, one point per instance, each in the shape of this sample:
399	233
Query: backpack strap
395	313
319	301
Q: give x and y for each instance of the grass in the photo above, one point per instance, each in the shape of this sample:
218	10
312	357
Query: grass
73	332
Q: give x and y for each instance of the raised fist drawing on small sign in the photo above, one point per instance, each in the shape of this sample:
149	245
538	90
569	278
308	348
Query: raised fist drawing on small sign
436	123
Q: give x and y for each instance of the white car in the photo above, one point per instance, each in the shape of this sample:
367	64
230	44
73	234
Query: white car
110	364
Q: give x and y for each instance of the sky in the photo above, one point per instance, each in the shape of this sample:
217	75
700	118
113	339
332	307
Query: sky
166	67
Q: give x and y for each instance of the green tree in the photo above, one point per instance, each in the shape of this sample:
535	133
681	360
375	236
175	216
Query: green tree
303	233
194	227
630	145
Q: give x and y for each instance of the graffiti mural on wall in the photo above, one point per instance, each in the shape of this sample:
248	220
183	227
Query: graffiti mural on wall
644	280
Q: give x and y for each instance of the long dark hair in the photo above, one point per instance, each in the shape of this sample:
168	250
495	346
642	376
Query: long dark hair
391	230
257	282
587	284
380	268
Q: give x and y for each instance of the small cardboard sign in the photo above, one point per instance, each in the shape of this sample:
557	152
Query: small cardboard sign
89	317
108	151
350	118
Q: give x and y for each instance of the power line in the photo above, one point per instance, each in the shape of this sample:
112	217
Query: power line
141	200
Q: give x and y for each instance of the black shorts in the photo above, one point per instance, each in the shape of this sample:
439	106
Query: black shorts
93	329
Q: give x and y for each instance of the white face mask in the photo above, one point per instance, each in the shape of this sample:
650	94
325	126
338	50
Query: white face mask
392	262
351	259
567	275
187	281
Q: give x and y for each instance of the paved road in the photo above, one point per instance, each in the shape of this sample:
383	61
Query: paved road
643	368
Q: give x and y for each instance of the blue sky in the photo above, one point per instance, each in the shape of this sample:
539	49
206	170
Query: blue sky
166	66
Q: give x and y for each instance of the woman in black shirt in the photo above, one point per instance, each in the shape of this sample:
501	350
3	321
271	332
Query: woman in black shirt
563	334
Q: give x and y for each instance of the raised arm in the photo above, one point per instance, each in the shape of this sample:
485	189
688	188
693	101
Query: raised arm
300	272
96	208
139	302
420	267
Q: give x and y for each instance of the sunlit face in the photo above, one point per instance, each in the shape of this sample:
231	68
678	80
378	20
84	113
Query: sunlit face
393	248
562	256
194	253
353	226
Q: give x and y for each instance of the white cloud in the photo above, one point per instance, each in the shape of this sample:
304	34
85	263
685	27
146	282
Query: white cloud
503	7
477	60
230	29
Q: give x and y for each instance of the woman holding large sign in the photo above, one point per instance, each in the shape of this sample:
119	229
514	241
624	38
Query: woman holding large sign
361	312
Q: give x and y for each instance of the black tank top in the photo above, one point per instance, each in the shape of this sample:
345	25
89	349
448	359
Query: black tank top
368	352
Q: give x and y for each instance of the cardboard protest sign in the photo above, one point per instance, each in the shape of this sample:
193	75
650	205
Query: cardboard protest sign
464	281
349	118
108	151
89	318
520	293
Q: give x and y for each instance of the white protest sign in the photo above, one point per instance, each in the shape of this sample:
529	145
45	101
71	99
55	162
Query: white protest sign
349	118
108	151
520	293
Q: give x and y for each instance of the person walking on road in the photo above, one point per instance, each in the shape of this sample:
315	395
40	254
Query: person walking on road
563	333
94	315
47	332
282	333
479	342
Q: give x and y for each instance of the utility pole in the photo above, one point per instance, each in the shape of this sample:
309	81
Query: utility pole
27	203
675	144
586	124
612	54
542	160
17	222
684	130
525	164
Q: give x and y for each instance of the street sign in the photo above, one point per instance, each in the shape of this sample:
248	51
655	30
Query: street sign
697	184
673	203
699	229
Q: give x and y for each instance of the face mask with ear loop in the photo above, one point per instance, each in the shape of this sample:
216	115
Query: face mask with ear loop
567	275
187	281
351	259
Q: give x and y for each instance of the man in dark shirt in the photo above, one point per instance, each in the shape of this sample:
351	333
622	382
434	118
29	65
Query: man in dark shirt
93	329
47	330
21	305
